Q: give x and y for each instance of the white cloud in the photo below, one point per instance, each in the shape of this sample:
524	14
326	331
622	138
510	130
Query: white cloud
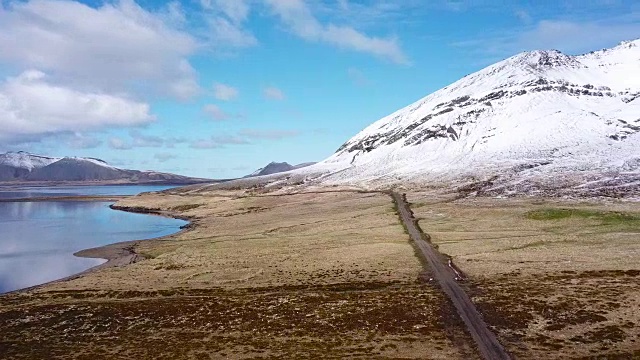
456	5
215	112
244	137
344	5
81	141
273	93
138	140
236	10
29	105
571	36
205	144
523	16
564	35
225	19
174	13
230	140
260	134
142	140
298	17
224	92
171	142
119	144
163	157
217	142
224	31
117	46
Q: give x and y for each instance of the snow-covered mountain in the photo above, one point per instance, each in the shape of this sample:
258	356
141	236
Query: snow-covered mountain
23	166
532	116
276	167
25	160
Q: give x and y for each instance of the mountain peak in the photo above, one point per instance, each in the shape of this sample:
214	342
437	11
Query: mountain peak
272	168
544	59
629	43
278	163
539	109
278	167
25	160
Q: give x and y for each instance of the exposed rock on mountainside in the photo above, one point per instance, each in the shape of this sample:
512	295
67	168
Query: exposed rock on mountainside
276	167
11	173
69	169
538	121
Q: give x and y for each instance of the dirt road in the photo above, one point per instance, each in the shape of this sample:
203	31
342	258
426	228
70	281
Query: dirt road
487	342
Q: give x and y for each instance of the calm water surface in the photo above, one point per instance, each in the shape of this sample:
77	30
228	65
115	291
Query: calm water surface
38	239
58	191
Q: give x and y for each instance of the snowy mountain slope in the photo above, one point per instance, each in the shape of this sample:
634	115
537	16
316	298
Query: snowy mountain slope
76	169
94	161
276	167
23	166
272	168
536	113
25	160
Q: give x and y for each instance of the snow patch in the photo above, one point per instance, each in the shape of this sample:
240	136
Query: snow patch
535	114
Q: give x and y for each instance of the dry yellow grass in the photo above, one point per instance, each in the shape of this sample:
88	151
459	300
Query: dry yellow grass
332	274
305	275
317	238
554	285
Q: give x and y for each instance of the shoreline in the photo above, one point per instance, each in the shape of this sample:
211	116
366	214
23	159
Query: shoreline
117	254
19	184
96	198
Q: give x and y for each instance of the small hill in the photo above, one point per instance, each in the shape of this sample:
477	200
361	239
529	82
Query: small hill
276	167
70	169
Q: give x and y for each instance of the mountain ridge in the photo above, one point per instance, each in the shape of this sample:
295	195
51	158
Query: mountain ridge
276	167
22	166
527	118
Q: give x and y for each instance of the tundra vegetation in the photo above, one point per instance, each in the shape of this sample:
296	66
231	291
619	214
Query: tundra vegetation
309	275
555	279
330	272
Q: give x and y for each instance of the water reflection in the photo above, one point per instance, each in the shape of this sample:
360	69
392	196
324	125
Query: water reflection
58	191
37	239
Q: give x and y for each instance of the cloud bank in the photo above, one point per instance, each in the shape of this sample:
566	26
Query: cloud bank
30	105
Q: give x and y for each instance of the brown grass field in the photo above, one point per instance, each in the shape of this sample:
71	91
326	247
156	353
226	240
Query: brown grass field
333	275
315	275
555	279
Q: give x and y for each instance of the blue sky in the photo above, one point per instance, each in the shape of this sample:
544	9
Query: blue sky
218	88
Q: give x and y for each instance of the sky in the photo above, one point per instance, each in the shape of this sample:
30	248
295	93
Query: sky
219	88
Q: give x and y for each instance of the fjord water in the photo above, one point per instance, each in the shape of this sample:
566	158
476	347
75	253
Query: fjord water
38	239
21	192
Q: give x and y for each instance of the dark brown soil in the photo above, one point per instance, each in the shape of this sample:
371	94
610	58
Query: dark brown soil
590	314
352	320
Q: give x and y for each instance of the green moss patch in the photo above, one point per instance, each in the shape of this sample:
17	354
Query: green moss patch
605	217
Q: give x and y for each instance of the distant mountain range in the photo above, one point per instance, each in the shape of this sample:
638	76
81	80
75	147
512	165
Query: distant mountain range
276	167
23	166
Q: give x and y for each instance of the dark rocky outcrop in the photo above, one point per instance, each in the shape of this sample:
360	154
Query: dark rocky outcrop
276	167
69	169
9	173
